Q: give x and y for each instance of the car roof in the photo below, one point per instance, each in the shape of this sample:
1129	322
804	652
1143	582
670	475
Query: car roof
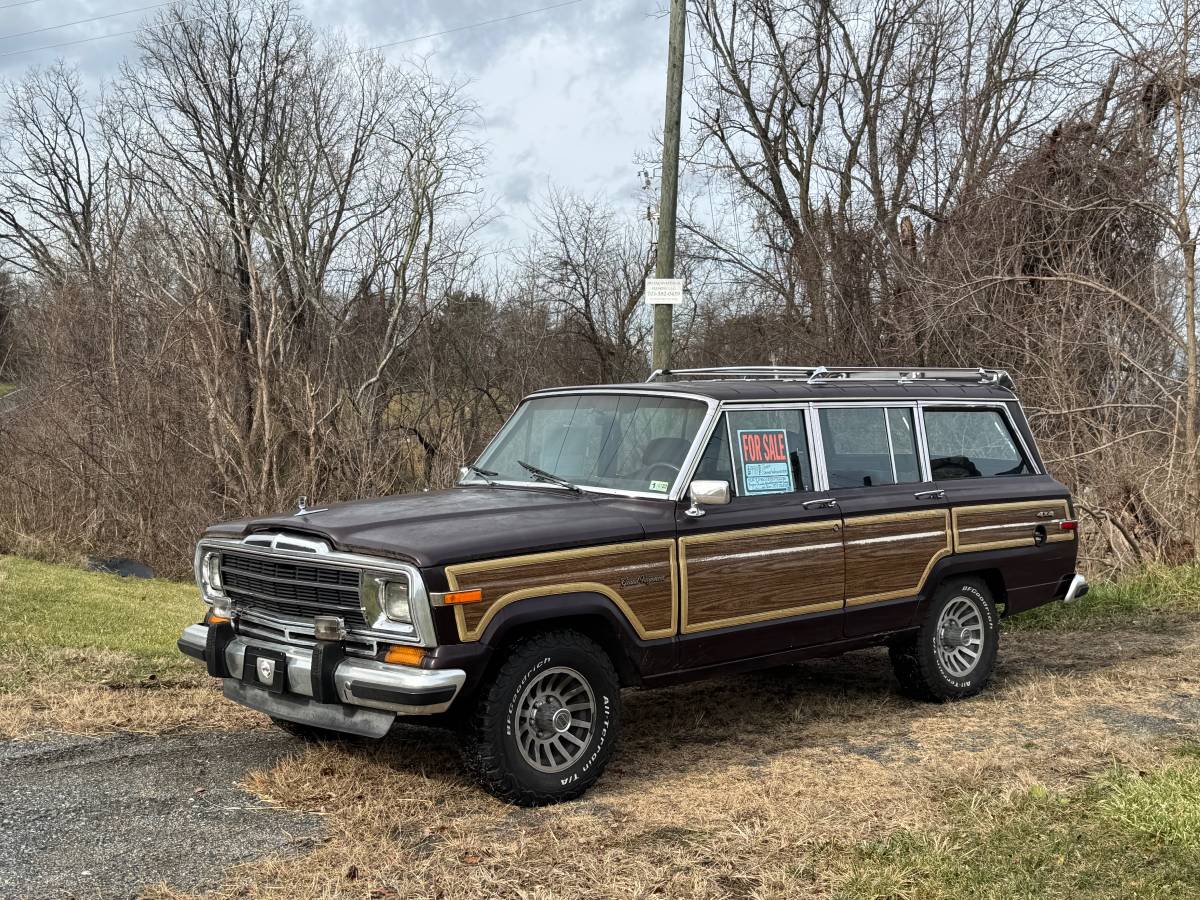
778	390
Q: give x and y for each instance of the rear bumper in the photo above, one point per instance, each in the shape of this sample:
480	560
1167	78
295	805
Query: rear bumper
354	682
1076	589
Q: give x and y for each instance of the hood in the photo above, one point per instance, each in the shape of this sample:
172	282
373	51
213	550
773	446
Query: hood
461	524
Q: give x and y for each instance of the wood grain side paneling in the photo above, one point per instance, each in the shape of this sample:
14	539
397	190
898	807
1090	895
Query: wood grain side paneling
890	556
734	577
640	578
995	526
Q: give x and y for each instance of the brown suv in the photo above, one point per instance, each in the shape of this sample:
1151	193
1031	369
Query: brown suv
641	535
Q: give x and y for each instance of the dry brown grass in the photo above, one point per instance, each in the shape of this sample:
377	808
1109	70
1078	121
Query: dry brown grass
60	691
748	786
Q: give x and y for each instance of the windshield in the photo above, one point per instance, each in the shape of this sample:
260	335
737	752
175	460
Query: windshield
623	442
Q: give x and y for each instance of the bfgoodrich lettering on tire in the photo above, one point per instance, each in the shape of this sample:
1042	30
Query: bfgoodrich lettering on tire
546	725
954	652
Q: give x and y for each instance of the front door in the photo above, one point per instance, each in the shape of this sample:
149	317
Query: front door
765	572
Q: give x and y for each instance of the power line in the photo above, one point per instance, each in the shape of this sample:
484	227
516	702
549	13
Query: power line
22	3
124	12
101	37
528	12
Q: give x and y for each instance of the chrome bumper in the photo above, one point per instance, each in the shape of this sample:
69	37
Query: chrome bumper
400	690
1077	589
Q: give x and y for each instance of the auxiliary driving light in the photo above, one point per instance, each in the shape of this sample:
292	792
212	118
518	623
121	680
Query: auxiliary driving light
328	628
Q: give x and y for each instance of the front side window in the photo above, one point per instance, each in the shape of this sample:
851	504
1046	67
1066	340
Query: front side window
972	443
616	441
769	449
869	445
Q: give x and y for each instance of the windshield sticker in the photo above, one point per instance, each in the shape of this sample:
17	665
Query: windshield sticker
660	485
765	467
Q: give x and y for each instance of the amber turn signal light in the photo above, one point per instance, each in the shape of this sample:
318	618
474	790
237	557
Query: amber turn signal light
212	618
456	597
404	656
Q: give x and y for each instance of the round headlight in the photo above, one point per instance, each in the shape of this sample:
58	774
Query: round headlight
393	598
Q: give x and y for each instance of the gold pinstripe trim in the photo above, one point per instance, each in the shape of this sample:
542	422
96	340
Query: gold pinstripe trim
717	536
961	546
903	517
492	565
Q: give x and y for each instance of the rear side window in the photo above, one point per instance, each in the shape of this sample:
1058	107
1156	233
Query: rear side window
869	445
972	443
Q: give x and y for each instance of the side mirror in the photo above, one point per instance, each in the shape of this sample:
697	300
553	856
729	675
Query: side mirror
706	493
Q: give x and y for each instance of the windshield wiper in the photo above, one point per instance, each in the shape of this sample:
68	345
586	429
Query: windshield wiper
543	475
485	474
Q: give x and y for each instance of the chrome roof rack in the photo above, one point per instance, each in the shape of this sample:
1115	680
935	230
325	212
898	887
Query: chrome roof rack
825	374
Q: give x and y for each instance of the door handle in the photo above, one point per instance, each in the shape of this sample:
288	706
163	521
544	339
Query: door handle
822	503
937	494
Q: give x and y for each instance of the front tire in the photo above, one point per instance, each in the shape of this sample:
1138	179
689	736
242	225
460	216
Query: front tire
954	653
546	725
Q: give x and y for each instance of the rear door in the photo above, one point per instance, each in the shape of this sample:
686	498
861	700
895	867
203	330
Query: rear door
896	522
763	573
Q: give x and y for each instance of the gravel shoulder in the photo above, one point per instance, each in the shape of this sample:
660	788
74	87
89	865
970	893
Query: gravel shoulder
108	815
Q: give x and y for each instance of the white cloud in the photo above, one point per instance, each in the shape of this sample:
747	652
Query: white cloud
568	96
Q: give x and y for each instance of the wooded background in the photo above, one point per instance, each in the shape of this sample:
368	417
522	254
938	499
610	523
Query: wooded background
254	267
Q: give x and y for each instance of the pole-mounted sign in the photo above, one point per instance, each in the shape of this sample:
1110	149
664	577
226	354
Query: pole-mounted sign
667	291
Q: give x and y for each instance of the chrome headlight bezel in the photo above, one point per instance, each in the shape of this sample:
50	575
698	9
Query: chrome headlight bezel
207	568
383	607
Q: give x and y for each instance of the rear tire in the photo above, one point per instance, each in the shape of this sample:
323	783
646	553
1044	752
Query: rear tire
954	652
546	725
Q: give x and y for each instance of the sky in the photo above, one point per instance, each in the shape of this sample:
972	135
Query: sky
568	96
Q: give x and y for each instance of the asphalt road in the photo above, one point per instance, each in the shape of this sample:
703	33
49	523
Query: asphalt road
103	816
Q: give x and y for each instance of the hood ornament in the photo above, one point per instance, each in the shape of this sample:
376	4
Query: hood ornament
302	507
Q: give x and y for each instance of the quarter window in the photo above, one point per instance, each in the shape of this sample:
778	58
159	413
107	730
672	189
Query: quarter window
867	446
971	443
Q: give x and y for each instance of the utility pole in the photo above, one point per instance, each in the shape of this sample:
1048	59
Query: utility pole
668	199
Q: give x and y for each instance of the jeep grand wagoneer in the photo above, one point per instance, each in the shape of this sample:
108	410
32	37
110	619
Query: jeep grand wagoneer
640	535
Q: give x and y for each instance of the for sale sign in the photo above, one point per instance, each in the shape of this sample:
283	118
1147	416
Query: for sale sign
765	462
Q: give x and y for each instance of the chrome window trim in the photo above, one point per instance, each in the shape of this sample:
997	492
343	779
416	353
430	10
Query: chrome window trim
678	489
805	407
887	430
816	438
421	634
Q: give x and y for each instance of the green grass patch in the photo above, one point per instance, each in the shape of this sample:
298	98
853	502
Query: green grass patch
1156	595
1125	835
84	626
6	388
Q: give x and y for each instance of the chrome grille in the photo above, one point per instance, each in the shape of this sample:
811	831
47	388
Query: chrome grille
291	590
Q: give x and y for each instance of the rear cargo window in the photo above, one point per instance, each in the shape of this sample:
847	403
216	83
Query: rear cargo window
971	443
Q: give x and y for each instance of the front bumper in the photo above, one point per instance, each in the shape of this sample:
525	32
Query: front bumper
360	683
